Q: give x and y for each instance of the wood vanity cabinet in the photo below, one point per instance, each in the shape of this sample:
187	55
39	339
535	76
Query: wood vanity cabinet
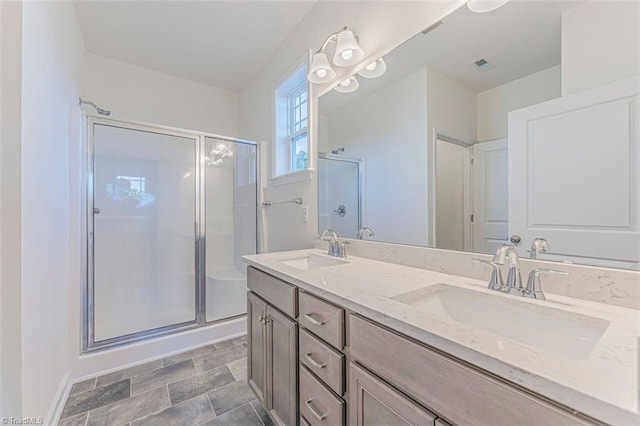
272	353
314	363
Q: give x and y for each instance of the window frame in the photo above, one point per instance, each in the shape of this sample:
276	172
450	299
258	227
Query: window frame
282	164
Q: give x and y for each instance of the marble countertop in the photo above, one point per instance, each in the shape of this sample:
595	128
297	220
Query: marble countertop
603	385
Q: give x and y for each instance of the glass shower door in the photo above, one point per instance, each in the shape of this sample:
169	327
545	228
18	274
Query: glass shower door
339	195
231	224
143	231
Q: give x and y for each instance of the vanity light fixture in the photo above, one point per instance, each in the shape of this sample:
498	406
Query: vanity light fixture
347	52
321	70
482	6
374	69
347	86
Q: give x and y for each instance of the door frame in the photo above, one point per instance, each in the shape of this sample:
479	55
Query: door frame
89	121
468	202
361	182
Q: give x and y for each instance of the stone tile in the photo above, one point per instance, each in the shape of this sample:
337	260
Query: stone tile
83	386
199	384
238	369
231	342
77	420
220	357
194	353
194	411
243	415
262	413
229	397
95	398
162	376
129	409
127	373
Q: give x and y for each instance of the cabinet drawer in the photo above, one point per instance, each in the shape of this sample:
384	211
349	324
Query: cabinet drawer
277	292
322	319
318	405
324	361
461	394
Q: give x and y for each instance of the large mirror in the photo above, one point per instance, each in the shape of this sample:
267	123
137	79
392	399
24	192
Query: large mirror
492	128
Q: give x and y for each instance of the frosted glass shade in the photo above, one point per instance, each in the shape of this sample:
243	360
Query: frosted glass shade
321	70
348	51
482	6
347	86
374	69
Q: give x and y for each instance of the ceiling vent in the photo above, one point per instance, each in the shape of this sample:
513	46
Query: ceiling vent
432	27
482	65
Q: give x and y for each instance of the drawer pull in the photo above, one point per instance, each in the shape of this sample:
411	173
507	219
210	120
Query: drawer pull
318	416
312	320
314	362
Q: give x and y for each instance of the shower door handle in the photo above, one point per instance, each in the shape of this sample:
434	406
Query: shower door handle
96	210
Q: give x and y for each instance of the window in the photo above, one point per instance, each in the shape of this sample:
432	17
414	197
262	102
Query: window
298	107
291	135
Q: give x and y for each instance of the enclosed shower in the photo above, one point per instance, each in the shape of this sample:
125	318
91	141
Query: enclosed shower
170	213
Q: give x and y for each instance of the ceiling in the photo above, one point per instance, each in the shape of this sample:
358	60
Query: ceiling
219	43
518	39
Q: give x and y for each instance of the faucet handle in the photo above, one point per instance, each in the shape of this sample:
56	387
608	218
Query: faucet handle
533	288
496	282
342	248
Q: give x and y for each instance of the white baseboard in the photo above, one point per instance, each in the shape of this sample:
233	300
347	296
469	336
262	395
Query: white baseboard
55	411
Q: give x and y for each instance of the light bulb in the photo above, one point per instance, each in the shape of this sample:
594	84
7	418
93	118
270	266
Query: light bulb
346	83
347	54
372	66
322	73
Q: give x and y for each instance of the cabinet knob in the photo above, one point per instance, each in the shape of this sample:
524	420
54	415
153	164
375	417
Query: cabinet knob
515	239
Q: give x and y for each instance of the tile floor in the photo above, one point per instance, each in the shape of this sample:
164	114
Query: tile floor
205	386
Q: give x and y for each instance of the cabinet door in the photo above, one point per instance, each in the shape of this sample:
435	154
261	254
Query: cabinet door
282	356
373	402
256	351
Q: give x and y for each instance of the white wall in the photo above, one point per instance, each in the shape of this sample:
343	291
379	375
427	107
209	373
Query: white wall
451	111
141	94
381	26
600	44
493	105
10	208
388	130
452	107
51	75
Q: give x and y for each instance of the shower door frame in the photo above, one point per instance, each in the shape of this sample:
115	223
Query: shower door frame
88	259
361	182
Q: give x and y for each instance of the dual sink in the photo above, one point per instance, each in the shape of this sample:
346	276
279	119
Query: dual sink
541	325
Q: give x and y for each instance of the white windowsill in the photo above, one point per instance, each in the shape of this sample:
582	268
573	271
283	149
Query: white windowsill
289	178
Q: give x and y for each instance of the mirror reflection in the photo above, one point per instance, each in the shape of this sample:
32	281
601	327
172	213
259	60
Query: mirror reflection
484	130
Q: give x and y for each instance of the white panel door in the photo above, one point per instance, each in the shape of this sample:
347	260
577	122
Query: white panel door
453	196
573	175
490	195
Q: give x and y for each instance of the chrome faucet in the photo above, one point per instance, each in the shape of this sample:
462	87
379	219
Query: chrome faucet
539	245
514	279
495	282
364	230
337	248
534	290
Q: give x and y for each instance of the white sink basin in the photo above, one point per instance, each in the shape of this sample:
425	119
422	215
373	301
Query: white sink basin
312	261
554	330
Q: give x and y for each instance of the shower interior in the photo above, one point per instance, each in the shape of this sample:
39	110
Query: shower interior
170	214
